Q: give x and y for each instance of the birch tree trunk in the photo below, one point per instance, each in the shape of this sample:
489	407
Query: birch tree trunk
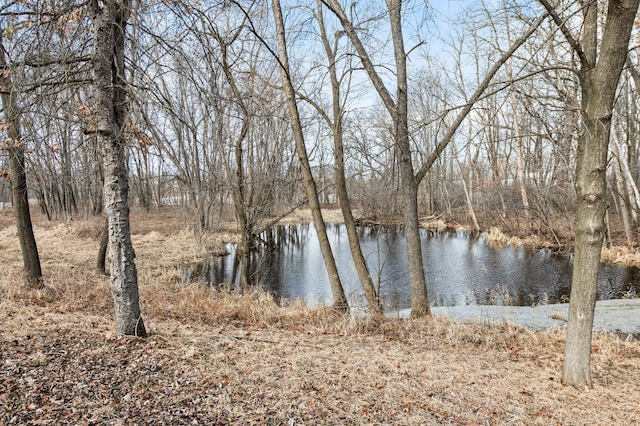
630	183
15	148
109	19
467	194
520	172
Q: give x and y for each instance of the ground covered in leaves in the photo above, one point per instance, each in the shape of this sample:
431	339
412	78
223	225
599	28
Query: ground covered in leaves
241	358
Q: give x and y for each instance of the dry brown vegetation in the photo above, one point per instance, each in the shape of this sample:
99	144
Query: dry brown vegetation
241	358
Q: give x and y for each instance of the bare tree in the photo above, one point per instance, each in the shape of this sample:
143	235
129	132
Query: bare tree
337	130
109	19
601	63
53	55
398	111
15	146
339	298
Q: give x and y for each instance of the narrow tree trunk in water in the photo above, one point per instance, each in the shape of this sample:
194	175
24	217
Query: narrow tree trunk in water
339	298
419	297
15	147
241	190
109	20
360	263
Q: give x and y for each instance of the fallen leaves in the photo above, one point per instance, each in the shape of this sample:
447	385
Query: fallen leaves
194	375
215	358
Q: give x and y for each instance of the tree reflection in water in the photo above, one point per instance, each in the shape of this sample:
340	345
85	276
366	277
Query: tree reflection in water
461	269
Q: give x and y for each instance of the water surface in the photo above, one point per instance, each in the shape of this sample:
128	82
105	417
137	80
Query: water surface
460	269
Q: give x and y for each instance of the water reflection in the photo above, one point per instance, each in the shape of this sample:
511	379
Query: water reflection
461	270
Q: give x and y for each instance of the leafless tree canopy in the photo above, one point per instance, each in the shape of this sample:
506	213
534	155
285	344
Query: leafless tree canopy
206	106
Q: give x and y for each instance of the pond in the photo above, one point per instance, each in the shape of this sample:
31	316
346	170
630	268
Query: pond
460	269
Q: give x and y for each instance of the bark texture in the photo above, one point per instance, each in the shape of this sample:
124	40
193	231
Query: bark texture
16	150
419	297
109	19
101	262
599	75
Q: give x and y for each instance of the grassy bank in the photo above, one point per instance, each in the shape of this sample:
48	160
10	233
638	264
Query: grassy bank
223	357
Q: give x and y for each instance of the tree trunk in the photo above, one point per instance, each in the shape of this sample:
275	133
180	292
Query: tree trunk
520	172
467	194
630	183
101	263
398	111
599	78
109	19
16	149
623	197
589	229
244	216
370	293
419	297
339	298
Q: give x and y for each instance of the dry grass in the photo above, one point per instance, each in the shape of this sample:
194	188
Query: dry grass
621	255
617	255
243	358
496	238
303	214
434	224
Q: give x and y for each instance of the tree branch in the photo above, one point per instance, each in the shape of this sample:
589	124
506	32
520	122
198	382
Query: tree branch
376	80
477	95
566	32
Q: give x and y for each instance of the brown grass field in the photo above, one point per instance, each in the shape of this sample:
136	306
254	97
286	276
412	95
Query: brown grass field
230	358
